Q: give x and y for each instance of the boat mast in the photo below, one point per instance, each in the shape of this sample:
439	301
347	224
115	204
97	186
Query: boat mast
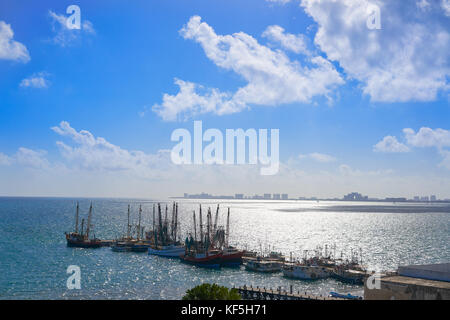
128	225
160	231
228	227
153	218
82	227
201	225
88	227
165	219
172	223
76	218
139	223
208	226
176	223
195	229
215	221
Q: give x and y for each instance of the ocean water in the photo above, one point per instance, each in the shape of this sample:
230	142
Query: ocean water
34	256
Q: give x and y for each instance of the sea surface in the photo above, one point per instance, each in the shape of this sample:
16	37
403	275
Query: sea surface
34	257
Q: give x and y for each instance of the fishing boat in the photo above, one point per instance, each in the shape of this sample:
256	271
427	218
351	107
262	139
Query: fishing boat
263	265
170	251
231	257
163	237
249	254
82	240
276	256
121	247
209	259
140	247
306	272
349	275
133	240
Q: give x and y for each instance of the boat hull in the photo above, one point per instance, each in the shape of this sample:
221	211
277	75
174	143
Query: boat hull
120	249
75	243
232	259
306	272
352	279
168	251
263	266
208	261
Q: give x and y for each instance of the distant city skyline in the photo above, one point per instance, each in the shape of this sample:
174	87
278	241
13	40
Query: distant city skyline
353	196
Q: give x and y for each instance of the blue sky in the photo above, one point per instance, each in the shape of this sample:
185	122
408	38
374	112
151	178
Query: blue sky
313	70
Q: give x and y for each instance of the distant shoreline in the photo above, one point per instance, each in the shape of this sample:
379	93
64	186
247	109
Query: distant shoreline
342	200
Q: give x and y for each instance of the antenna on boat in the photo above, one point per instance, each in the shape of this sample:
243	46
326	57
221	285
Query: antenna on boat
165	218
215	221
76	218
128	225
176	223
195	228
201	225
154	221
82	226
228	227
88	227
139	224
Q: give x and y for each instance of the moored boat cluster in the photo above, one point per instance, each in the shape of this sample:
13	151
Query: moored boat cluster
207	245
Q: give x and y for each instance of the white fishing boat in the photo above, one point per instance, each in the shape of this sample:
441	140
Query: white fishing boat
305	272
121	247
170	251
261	265
349	275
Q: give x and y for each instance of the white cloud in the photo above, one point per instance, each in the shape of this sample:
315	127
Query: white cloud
65	36
423	4
427	137
446	161
31	158
189	102
96	154
445	4
5	160
273	79
346	170
392	62
390	144
9	48
288	41
319	157
37	80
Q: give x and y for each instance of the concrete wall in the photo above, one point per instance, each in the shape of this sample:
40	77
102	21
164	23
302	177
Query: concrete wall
396	290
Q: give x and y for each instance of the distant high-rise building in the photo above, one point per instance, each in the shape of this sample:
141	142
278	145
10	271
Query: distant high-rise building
433	198
267	196
425	199
276	196
284	196
355	196
239	196
416	198
186	195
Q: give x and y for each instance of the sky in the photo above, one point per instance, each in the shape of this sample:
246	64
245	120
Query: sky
359	91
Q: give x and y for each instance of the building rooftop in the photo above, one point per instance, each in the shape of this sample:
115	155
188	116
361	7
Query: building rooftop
417	281
438	272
